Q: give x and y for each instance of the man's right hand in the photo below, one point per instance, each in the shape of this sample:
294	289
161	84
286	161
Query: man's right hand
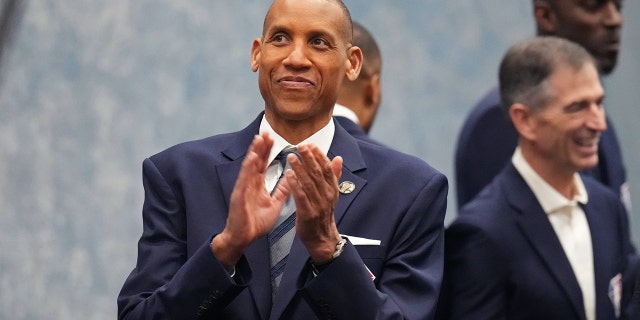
252	211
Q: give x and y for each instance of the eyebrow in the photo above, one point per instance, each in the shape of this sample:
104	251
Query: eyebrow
313	33
599	100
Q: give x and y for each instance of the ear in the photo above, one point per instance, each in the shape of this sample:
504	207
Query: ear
372	93
546	20
353	63
523	120
255	54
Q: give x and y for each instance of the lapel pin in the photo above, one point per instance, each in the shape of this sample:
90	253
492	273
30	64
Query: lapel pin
346	187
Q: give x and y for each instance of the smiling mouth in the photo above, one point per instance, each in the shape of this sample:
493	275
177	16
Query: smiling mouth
612	47
588	144
295	82
612	43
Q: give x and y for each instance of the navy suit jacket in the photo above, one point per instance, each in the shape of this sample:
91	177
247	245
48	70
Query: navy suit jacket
355	129
398	199
487	142
504	260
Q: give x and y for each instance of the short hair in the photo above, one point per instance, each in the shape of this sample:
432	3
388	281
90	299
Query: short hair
363	39
344	8
527	66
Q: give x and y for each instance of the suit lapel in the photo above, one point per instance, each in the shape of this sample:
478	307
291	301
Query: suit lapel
347	147
345	199
228	174
235	150
534	224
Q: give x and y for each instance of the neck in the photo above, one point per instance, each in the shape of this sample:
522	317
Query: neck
295	131
559	178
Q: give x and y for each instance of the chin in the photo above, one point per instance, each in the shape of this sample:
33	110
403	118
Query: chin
292	109
586	164
607	65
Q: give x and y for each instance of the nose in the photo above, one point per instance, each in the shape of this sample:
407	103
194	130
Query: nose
297	57
612	15
596	119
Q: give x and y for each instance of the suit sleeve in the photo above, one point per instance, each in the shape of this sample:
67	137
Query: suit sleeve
409	285
474	284
166	283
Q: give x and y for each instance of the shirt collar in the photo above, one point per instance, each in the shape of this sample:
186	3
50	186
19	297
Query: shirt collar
342	111
322	138
549	198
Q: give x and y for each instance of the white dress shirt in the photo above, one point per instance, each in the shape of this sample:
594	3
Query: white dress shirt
322	138
342	111
570	224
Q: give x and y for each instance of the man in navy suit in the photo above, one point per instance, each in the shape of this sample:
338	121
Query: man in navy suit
368	221
359	100
542	241
487	139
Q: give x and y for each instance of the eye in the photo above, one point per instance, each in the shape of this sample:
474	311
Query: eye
592	5
319	42
595	5
279	39
577	106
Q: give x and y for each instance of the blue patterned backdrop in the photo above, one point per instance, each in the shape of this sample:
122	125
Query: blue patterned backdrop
88	89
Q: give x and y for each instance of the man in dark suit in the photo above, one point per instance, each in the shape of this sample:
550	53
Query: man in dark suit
542	241
367	239
487	139
359	100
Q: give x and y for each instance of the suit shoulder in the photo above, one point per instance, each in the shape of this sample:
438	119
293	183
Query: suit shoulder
489	208
385	159
597	190
485	124
483	221
209	148
488	106
487	116
194	145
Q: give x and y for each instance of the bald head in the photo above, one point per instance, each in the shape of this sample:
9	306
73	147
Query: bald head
348	27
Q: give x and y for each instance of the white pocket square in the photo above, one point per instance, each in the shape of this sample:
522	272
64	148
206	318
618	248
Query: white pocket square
358	241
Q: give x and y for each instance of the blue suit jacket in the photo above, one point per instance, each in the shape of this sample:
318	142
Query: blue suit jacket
398	199
488	139
355	129
504	260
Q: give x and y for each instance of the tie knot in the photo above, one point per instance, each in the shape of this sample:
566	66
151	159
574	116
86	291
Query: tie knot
282	156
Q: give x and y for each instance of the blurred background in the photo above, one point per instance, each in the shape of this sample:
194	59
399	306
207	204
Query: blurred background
89	88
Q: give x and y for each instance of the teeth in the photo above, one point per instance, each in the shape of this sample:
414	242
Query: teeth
587	142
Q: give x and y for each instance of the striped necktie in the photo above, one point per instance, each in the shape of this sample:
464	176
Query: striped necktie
281	236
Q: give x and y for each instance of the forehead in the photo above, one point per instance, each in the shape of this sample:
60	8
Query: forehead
586	6
571	85
320	15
